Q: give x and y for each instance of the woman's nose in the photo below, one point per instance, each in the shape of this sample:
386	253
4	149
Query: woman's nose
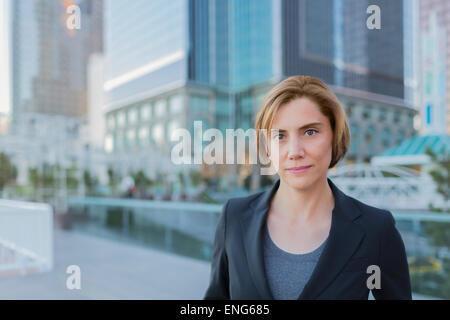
296	149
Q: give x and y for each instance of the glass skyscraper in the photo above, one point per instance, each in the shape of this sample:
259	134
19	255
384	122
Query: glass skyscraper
203	56
330	40
434	25
48	59
213	61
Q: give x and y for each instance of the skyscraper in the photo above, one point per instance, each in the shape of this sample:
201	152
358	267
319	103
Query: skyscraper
215	60
330	40
434	60
49	60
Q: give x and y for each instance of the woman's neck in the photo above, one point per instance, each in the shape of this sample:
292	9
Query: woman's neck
303	206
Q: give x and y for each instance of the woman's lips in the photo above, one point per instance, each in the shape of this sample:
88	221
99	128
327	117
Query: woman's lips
298	169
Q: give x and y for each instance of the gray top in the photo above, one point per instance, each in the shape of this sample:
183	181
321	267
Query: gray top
287	273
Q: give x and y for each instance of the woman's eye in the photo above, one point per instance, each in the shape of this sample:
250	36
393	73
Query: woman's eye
278	136
310	130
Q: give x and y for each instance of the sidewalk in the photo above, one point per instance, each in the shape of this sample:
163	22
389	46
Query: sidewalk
111	270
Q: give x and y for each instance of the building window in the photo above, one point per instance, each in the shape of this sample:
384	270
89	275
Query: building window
120	119
428	83
428	114
396	117
111	122
366	112
382	116
146	111
132	116
131	137
199	103
350	108
370	139
173	125
387	137
160	108
176	104
109	143
247	106
158	133
119	140
354	140
143	136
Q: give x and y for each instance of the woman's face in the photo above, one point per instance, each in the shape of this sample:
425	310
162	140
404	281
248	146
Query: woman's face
302	135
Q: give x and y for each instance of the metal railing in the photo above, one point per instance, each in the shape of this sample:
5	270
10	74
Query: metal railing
26	237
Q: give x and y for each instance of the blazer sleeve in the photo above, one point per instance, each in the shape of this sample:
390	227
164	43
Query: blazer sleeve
395	280
218	288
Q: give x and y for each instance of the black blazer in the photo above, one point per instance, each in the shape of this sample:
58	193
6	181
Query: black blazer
360	235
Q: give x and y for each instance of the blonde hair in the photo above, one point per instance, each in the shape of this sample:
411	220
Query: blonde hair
306	86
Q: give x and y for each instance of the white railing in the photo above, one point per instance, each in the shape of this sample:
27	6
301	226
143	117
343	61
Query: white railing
388	187
26	237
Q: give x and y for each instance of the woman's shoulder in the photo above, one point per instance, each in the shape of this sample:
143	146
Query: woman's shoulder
237	207
372	215
244	202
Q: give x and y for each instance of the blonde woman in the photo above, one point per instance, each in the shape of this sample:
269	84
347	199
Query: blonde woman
304	238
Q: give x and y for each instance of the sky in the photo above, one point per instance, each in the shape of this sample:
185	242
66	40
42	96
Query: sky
4	65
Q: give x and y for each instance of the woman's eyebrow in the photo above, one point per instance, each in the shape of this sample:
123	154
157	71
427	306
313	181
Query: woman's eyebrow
318	123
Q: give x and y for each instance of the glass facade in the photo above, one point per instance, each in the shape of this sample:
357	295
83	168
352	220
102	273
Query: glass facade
25	59
176	104
224	46
199	41
222	113
199	104
251	30
145	44
49	61
330	40
231	52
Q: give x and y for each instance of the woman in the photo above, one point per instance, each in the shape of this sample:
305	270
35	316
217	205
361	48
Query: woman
304	238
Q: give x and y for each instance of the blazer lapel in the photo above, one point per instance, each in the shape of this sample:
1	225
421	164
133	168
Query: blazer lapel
252	229
343	240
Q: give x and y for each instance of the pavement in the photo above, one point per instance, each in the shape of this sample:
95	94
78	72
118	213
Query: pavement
111	269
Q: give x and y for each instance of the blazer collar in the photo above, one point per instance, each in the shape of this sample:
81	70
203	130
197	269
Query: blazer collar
343	240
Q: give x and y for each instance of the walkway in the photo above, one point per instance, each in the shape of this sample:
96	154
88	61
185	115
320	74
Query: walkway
111	270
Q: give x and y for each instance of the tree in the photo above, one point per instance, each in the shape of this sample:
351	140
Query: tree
196	177
141	181
113	180
48	175
440	172
8	171
89	181
33	175
71	177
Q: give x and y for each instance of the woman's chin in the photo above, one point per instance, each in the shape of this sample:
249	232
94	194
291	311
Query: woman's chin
296	181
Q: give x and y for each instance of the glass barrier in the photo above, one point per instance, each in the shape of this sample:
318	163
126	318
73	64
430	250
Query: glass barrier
187	229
